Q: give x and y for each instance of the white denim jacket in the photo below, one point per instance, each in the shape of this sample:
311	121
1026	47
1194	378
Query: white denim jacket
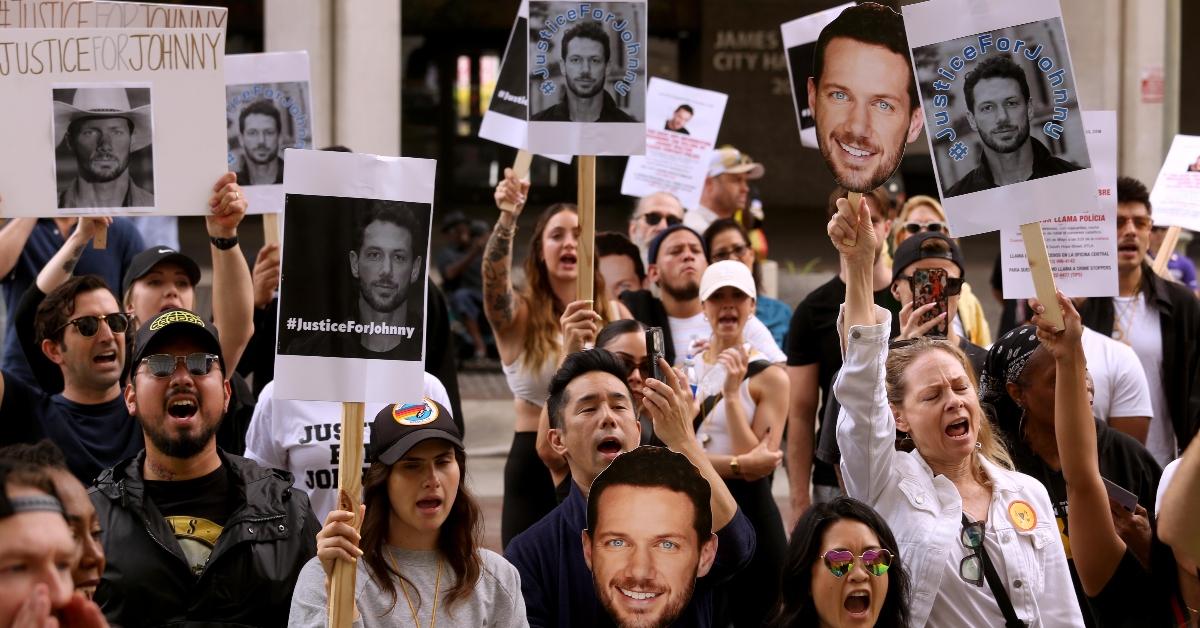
925	511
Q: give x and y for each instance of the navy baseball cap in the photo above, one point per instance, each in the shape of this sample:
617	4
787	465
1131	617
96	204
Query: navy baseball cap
652	257
401	426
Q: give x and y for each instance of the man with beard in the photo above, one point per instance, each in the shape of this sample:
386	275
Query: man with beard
999	110
586	50
593	421
677	261
386	266
863	96
726	189
81	329
194	535
649	536
259	125
1160	319
102	130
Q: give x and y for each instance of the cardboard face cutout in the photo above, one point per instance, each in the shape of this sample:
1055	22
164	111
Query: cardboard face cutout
862	95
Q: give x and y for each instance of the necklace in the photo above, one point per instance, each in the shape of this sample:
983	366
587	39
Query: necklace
1126	315
436	587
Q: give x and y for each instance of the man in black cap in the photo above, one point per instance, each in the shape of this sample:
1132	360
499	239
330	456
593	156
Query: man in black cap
194	534
460	264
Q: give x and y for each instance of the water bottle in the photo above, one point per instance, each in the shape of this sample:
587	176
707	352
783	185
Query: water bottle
689	369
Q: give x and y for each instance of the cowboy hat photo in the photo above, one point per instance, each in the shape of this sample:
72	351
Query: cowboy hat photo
103	102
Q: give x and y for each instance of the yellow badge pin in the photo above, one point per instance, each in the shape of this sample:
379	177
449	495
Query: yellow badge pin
1022	515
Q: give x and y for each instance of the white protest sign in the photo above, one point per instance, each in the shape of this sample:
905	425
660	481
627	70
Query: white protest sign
1001	111
353	289
506	118
106	14
799	45
587	77
682	126
1176	193
268	108
1082	246
162	153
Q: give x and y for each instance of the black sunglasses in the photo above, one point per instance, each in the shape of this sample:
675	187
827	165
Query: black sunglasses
653	218
918	227
163	364
89	325
734	252
970	568
953	284
632	365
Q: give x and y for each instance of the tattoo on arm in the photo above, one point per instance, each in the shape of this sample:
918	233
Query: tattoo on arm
69	266
497	281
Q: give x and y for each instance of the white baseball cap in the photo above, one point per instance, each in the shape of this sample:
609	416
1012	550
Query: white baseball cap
727	273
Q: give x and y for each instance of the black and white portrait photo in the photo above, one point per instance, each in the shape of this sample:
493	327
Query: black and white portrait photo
677	123
263	119
353	278
103	147
1013	120
587	66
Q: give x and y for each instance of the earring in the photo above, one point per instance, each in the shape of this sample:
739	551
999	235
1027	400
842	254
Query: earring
978	446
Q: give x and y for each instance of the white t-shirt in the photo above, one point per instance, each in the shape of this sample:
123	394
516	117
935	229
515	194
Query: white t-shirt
1168	474
684	331
1143	332
304	437
960	603
699	218
1121	388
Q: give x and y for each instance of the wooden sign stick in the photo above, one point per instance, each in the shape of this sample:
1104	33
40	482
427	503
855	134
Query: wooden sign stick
521	169
270	228
1165	250
587	230
350	463
1043	275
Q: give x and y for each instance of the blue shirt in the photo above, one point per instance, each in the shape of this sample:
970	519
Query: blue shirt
776	315
557	584
44	241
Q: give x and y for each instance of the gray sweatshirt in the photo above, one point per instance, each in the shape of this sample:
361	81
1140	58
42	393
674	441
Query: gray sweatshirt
496	600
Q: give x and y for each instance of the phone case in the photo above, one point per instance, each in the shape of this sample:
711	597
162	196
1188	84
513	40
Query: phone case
655	349
929	286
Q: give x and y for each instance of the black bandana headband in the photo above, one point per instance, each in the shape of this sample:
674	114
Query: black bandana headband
1006	361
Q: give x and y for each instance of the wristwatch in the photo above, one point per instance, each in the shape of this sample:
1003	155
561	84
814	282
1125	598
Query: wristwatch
224	243
734	467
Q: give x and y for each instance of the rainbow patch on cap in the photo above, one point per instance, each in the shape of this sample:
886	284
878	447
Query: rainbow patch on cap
413	414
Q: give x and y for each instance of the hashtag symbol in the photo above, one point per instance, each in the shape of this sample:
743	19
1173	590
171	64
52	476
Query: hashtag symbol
958	151
548	87
291	324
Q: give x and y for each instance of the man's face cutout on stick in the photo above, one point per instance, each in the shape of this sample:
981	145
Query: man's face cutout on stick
863	96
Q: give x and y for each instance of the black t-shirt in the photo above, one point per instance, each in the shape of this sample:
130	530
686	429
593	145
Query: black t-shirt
196	510
812	338
92	437
1125	601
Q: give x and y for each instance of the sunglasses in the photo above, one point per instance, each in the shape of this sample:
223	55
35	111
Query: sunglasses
953	284
653	218
918	227
163	364
970	568
1139	222
89	325
632	365
737	251
839	562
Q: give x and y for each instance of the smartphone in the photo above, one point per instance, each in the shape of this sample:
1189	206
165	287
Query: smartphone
1127	500
655	349
929	286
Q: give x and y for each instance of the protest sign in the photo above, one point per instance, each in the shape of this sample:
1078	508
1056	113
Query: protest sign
506	118
107	14
799	45
160	85
1001	111
1082	246
681	129
587	77
1176	193
268	108
352	294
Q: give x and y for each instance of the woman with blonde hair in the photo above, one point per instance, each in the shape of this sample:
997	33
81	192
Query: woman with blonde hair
924	213
979	538
526	325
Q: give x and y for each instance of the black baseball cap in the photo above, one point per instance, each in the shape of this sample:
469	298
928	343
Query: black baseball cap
401	426
658	240
143	262
453	219
174	323
910	251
